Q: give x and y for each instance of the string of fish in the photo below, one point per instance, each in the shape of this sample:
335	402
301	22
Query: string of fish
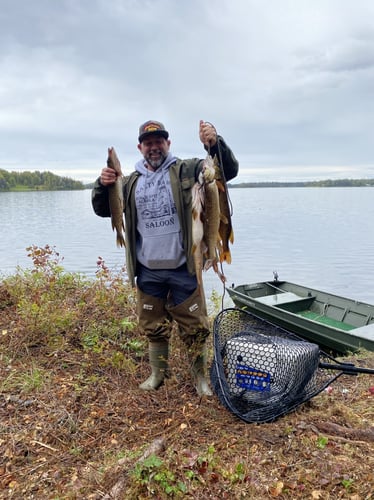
212	230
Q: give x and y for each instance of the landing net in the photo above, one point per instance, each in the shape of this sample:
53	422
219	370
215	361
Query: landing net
261	371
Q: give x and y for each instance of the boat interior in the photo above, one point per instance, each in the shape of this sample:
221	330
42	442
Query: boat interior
337	312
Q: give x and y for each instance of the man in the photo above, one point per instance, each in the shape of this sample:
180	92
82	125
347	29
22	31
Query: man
158	221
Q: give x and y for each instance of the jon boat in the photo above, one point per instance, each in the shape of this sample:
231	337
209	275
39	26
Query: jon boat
337	323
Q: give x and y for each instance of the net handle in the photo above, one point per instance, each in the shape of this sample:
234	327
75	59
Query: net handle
346	368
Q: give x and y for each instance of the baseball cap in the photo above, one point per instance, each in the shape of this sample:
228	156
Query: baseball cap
152	127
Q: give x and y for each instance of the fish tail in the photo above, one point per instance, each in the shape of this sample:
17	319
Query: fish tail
208	264
225	256
120	241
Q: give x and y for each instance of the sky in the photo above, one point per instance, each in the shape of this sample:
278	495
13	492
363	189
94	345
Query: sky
289	84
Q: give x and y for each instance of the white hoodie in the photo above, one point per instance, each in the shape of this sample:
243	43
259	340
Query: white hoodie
159	244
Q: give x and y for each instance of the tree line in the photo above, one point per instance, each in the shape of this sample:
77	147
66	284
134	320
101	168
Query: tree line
47	181
36	181
322	183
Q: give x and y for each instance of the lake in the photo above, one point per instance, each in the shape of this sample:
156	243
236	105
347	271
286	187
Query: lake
320	237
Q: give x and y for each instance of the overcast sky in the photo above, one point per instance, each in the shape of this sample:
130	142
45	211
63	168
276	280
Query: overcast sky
288	83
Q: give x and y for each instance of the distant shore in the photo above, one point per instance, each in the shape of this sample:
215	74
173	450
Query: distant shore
322	183
47	181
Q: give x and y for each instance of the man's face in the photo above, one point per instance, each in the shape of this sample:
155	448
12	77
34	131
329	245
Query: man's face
155	149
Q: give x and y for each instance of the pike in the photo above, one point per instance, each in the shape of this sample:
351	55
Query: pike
211	220
116	198
198	245
212	213
211	217
225	230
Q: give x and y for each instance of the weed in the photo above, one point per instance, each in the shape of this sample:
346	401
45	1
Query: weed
215	303
121	362
347	483
322	442
54	307
128	324
136	346
30	380
153	474
239	473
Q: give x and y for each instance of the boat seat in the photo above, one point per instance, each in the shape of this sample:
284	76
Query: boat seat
366	332
279	298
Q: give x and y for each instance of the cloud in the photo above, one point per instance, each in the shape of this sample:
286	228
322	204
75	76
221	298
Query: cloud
286	83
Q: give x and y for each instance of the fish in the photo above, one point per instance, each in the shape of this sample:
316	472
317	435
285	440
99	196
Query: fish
225	230
198	244
211	220
211	212
116	202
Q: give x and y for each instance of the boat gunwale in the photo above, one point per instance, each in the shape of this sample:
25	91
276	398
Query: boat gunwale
302	287
323	333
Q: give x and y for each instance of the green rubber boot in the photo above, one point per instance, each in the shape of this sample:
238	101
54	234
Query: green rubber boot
198	370
158	359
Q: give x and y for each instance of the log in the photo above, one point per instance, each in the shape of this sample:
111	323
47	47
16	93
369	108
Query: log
346	432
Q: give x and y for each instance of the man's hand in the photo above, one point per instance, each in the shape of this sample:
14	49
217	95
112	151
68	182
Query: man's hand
108	176
208	134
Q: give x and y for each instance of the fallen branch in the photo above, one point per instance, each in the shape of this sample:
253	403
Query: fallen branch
346	432
34	441
157	446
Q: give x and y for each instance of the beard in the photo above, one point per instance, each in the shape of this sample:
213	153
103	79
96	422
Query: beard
155	159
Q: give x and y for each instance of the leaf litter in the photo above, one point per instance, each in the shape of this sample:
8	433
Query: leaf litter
74	424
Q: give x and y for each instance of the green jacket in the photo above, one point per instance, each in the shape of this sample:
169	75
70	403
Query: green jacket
183	175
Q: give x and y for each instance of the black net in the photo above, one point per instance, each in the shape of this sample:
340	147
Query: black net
261	371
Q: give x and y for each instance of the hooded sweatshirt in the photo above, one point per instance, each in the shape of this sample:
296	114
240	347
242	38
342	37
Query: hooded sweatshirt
159	243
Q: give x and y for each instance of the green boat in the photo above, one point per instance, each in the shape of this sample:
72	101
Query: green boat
333	322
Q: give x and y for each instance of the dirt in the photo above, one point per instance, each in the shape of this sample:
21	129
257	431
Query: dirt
82	431
75	425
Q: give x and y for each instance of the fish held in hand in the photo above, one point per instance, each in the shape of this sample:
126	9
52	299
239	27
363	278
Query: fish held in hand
198	244
211	211
225	230
116	202
212	230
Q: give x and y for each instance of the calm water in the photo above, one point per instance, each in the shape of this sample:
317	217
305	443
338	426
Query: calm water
321	237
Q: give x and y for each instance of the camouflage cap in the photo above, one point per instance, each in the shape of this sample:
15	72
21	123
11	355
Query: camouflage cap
152	127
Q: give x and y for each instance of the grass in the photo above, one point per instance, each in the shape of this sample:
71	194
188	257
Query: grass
74	425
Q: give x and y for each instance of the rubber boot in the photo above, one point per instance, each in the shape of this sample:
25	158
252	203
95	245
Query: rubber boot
198	370
158	359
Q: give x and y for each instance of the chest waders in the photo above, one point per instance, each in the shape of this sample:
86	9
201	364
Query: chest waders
155	317
155	323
